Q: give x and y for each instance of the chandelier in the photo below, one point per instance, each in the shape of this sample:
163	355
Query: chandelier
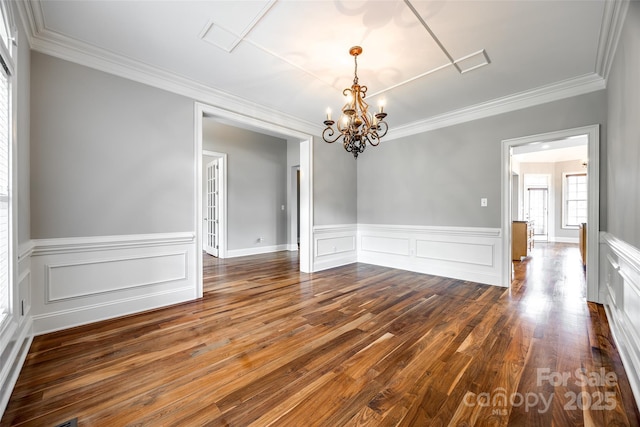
356	126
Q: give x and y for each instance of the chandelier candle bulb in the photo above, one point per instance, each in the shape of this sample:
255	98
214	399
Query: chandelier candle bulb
357	125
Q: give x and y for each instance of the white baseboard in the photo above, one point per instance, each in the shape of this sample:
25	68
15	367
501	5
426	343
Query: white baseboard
620	291
464	253
83	314
82	280
13	357
16	334
234	253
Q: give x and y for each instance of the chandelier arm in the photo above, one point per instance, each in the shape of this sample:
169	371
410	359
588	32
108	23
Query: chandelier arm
362	108
382	128
328	133
372	139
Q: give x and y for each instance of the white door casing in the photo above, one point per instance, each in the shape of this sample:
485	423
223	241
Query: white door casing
306	181
593	212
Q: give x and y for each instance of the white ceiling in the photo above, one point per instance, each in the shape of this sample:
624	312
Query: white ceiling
291	57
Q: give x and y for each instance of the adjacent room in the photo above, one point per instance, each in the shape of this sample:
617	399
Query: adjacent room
319	213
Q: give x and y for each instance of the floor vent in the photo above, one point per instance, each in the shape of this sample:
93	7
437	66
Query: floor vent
70	423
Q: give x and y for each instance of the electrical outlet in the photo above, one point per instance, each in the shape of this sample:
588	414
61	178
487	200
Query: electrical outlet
483	202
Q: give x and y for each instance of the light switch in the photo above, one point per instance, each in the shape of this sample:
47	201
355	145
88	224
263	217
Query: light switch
483	202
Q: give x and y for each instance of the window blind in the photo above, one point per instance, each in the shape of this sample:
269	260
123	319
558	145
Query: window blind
4	195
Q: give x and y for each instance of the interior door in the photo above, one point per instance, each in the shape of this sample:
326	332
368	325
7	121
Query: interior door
538	200
212	219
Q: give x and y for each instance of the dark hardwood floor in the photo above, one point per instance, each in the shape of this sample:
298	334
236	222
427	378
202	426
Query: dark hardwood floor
356	345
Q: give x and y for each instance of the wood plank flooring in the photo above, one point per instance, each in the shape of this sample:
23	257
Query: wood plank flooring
358	345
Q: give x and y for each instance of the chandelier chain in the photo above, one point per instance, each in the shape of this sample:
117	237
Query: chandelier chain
355	72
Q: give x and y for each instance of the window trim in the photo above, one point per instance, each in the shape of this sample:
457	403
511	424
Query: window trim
9	321
565	199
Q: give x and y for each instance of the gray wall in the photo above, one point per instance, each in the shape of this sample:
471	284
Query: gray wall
109	156
438	178
623	136
22	133
334	185
256	184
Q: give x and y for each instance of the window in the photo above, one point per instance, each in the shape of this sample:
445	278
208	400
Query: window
6	72
4	194
574	191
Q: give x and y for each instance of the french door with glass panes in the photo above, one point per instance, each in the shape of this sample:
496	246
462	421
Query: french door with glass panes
212	218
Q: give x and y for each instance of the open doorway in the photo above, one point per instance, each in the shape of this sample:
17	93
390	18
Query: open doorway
538	199
294	208
214	203
305	162
557	228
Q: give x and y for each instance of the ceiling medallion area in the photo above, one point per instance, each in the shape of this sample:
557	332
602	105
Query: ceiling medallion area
357	126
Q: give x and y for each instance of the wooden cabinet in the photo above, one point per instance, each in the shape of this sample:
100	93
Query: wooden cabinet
521	239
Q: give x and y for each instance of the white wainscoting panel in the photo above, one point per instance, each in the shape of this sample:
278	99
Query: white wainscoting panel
385	245
82	280
620	291
334	245
69	280
468	253
465	253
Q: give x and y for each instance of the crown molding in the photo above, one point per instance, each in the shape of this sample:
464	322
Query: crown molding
45	41
60	46
553	92
613	18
